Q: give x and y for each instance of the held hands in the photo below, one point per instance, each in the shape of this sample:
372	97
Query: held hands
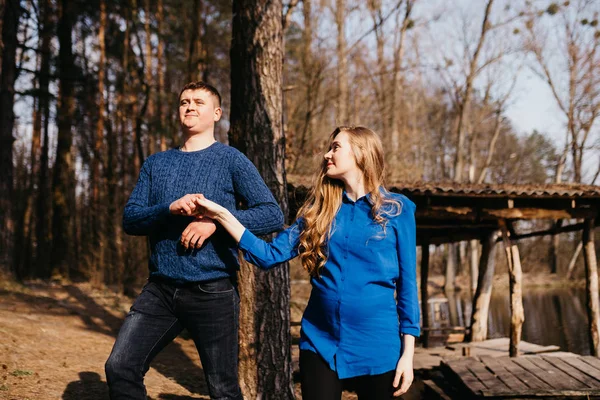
208	208
185	205
404	374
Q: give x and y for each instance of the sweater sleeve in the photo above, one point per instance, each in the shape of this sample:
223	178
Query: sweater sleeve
406	286
139	218
265	255
263	214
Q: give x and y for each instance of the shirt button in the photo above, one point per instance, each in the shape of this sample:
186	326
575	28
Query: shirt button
343	278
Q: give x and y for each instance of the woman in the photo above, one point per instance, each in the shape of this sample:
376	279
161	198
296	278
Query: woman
357	242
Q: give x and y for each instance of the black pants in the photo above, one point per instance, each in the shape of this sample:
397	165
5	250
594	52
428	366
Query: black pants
208	310
319	382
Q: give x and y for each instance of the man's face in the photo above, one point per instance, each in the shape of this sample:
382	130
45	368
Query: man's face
198	110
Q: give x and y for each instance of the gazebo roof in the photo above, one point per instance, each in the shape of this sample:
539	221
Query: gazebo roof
451	212
564	190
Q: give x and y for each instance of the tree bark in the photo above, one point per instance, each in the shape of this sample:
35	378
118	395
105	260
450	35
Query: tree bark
473	264
342	63
149	81
43	205
465	103
397	85
591	285
483	292
517	316
2	7
63	191
98	215
160	99
424	292
449	282
8	76
573	262
196	64
257	130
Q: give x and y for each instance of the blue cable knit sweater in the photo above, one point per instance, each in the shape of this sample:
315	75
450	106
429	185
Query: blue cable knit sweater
222	174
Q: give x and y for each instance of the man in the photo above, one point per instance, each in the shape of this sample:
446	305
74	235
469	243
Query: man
192	289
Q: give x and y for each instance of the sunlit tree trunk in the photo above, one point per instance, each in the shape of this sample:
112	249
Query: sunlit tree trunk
257	130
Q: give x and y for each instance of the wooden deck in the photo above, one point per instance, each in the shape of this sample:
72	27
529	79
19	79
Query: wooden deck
537	376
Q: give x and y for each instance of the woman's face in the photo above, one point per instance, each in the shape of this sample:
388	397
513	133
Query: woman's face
340	159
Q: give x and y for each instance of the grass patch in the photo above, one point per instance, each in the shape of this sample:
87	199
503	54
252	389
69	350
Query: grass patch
3	388
21	372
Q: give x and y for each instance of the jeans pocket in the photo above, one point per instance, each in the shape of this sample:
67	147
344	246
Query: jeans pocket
219	286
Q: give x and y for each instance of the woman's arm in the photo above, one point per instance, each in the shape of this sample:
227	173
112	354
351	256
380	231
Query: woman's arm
284	246
407	297
404	368
406	286
221	215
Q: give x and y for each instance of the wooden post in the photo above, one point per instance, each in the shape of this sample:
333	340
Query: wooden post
516	292
424	295
451	266
474	265
483	292
591	284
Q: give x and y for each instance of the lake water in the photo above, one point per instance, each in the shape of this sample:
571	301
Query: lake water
552	316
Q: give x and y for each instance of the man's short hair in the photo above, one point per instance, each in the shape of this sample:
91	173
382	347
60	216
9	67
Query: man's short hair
200	85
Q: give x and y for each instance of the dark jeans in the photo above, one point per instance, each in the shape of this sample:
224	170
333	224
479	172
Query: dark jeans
319	382
208	310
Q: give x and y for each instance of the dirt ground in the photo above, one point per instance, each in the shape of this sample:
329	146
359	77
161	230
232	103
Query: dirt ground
55	338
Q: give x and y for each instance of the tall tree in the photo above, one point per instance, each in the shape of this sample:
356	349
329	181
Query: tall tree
571	70
98	215
257	130
397	78
342	63
464	98
63	191
42	223
8	76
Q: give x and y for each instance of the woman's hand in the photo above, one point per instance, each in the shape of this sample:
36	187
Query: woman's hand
404	374
185	205
207	208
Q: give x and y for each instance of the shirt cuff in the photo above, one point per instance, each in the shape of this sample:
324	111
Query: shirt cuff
416	332
248	240
164	210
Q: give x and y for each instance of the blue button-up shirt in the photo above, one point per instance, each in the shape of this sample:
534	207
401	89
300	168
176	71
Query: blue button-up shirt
352	319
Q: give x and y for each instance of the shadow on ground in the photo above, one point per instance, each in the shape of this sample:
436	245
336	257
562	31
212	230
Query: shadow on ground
172	362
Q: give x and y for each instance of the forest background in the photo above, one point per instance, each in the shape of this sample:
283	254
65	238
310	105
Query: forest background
88	90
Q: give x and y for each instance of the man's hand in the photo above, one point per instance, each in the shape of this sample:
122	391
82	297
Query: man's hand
185	205
197	232
404	374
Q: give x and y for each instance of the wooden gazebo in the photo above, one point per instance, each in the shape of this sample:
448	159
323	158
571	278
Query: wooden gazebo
452	212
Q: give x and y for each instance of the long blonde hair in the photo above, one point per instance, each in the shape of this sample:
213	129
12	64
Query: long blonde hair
325	197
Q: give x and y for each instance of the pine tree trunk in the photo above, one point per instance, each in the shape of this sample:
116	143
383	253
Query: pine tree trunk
257	130
98	215
8	76
43	196
63	192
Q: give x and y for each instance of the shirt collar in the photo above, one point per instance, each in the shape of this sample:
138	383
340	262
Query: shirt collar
364	199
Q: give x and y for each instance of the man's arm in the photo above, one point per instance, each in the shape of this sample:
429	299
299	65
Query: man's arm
140	219
263	215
